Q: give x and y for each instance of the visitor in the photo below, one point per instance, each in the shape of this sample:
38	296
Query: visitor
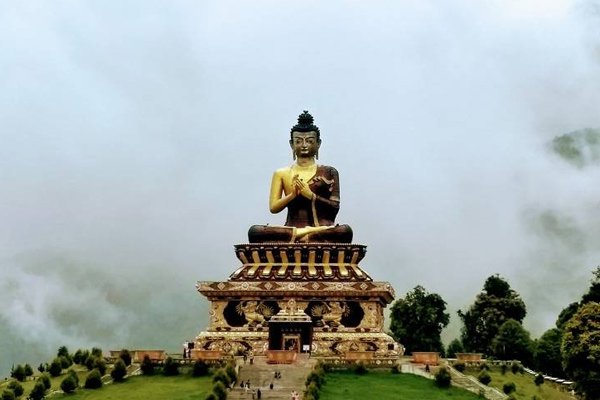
271	386
258	394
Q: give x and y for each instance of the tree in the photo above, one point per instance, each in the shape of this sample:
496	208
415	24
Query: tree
442	378
454	347
45	380
16	388
496	304
19	373
566	314
93	380
146	366
171	367
55	367
68	385
581	350
38	392
417	320
547	357
28	370
513	343
8	395
119	371
125	356
200	368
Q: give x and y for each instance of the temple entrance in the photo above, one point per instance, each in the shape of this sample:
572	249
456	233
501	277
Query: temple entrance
290	335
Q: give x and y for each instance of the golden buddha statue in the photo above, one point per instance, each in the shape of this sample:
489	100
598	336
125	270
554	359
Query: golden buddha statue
309	192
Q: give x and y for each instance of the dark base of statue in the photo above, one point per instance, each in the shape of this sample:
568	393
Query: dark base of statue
287	234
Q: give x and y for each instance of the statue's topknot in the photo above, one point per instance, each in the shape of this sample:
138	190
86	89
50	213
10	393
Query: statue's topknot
306	124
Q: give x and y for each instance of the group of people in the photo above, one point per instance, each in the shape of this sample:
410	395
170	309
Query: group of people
295	395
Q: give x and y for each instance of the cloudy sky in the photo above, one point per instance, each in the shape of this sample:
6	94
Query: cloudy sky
139	138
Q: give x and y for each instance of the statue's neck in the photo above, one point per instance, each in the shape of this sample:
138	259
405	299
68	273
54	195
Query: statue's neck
305	161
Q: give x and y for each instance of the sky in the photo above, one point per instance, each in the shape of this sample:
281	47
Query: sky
139	138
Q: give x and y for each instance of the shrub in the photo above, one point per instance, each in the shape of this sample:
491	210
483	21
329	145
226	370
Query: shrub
65	362
85	354
41	368
313	390
38	392
45	379
97	352
503	369
74	375
62	352
100	365
77	356
18	373
93	380
231	374
28	370
146	366
125	356
509	387
8	395
327	367
514	368
442	378
459	366
69	384
221	376
55	367
484	378
538	380
119	371
395	369
220	391
211	396
16	388
484	367
359	368
200	368
314	377
171	367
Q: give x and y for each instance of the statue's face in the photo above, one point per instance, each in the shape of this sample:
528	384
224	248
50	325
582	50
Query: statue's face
305	144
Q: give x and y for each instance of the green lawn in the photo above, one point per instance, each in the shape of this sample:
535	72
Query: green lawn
386	386
526	389
181	387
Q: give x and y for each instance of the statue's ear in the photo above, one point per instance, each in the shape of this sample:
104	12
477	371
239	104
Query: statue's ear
291	143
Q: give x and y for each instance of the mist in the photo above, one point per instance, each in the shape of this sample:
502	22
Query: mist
139	138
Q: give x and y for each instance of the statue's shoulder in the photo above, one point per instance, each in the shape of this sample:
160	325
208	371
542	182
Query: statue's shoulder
328	170
282	170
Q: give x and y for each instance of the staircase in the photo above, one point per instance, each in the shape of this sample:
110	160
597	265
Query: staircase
471	384
261	375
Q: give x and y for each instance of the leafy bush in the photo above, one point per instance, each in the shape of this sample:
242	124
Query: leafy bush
93	380
69	384
125	356
509	387
220	391
85	354
395	369
484	367
28	370
514	368
221	376
313	391
211	396
100	365
230	371
8	395
45	379
65	362
62	352
459	366
55	367
16	388
171	367
314	377
38	392
503	369
119	371
77	356
442	378
538	380
41	367
200	368
146	366
484	378
359	368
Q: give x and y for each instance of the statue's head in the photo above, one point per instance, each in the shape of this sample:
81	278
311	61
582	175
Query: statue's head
305	137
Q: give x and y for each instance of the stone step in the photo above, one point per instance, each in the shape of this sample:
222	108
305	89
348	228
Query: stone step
261	375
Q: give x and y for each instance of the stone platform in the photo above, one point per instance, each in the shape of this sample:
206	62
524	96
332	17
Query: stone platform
313	296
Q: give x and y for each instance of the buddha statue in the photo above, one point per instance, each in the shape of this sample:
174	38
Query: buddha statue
310	193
